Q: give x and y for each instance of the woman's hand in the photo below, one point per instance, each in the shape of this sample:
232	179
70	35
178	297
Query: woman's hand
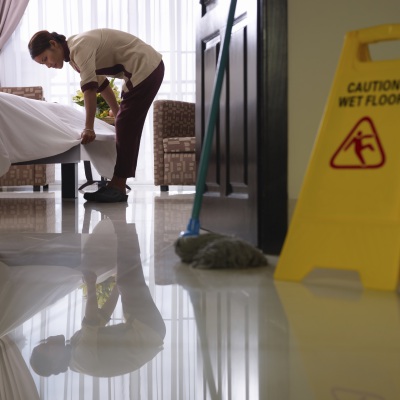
89	277
88	135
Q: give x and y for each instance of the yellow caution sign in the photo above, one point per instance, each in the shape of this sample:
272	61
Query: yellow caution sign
348	212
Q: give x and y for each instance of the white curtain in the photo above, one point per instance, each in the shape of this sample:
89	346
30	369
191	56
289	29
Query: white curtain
10	15
169	26
16	381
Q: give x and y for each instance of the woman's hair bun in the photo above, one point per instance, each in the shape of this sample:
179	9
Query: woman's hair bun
59	38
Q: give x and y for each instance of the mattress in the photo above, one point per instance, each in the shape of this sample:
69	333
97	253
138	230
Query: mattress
31	130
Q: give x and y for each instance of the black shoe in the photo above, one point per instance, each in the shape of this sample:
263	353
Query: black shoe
110	195
104	209
91	196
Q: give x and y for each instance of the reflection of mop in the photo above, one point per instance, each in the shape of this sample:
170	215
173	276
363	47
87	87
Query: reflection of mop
213	250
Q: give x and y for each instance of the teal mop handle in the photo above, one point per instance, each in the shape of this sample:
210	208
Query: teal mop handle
193	227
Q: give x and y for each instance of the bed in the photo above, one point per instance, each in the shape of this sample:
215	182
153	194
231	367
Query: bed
39	132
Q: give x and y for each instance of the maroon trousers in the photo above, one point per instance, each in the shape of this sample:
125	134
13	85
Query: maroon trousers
130	121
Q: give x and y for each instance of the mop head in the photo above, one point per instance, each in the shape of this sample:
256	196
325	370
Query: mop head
212	251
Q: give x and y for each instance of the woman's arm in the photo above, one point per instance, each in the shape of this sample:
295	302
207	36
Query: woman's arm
110	304
109	96
88	134
91	309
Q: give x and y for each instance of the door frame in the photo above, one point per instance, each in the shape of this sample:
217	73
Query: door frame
273	124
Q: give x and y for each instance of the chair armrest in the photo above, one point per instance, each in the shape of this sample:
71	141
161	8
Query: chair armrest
171	119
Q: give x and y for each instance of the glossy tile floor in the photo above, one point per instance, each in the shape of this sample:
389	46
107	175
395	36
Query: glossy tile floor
228	334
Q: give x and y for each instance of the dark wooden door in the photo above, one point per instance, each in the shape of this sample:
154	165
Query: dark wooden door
246	185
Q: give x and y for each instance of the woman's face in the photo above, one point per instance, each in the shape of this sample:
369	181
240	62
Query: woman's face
52	57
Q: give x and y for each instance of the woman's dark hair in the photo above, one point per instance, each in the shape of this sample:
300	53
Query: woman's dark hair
40	363
40	42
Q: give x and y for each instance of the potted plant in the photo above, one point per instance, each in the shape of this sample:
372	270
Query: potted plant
102	110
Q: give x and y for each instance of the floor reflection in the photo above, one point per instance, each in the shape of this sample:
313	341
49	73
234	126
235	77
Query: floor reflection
99	348
115	315
346	343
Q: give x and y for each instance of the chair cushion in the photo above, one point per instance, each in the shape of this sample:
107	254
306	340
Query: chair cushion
179	145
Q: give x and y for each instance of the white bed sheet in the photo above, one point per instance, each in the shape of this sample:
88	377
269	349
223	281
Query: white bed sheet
33	129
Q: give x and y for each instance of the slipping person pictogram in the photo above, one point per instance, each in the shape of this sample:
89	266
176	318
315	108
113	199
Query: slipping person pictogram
361	148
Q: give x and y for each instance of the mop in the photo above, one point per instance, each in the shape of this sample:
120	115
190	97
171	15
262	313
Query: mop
212	250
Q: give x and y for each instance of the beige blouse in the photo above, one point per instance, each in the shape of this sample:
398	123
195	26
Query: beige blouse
102	53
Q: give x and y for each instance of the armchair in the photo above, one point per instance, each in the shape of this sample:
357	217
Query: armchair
36	174
174	143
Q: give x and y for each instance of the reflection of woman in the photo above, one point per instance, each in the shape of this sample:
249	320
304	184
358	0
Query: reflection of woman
106	52
100	350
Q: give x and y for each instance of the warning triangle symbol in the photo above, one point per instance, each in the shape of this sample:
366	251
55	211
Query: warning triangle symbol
361	148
